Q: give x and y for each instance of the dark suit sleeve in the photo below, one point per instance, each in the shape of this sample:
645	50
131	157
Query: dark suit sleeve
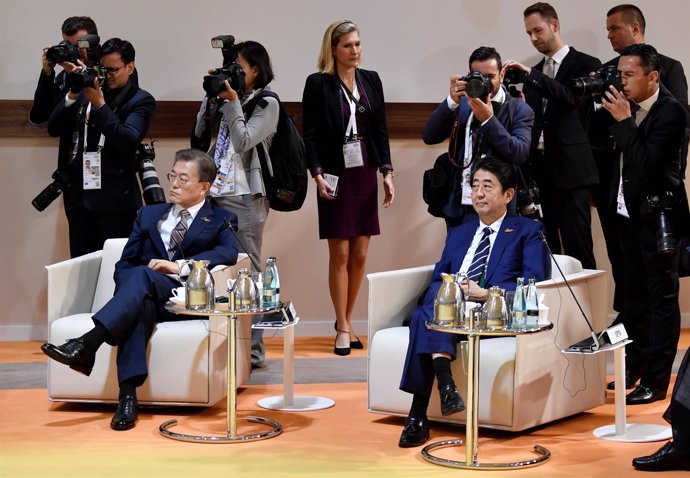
513	144
440	124
45	98
380	123
126	135
312	108
674	80
223	250
536	261
644	155
554	90
62	118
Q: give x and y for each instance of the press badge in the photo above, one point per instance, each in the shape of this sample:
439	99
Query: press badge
352	152
621	208
91	167
225	178
466	187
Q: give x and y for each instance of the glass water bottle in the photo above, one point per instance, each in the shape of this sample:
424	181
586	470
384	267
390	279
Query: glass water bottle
271	292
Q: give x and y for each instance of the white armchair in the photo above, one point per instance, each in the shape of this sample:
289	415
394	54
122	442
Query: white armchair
187	359
524	381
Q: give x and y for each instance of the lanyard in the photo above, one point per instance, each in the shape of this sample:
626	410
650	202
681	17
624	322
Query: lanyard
467	159
350	98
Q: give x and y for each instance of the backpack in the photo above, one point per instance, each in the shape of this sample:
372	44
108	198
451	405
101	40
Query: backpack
286	188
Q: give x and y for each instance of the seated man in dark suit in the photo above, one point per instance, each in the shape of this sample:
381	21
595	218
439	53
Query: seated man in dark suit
674	455
515	249
164	236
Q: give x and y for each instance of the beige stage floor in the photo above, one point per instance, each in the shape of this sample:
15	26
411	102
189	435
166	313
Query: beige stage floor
43	439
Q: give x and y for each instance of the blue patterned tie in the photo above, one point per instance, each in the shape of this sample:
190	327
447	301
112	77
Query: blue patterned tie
476	270
177	235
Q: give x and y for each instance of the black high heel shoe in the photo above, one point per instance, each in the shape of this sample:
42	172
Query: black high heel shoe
342	351
354	344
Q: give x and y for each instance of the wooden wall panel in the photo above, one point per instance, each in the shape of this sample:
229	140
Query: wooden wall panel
175	119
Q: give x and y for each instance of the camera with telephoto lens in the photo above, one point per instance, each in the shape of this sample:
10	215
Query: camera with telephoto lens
214	84
604	77
661	207
512	78
148	177
528	201
60	182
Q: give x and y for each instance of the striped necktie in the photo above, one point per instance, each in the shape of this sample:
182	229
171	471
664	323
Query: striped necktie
177	235
478	266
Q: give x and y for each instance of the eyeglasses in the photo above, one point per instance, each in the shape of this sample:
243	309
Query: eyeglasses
181	180
112	70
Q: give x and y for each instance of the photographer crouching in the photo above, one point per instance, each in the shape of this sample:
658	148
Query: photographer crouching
101	123
648	127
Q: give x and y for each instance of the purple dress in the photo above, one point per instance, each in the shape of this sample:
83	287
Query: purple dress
354	211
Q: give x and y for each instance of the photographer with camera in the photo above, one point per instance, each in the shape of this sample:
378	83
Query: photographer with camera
648	194
626	26
239	185
561	158
52	88
481	119
102	119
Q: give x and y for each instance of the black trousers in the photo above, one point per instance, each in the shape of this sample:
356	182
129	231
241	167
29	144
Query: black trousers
568	222
651	309
88	230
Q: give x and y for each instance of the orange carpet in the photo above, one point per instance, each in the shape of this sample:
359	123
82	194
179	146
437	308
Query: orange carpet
43	439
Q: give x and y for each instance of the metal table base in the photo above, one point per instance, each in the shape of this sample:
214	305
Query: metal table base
231	407
472	423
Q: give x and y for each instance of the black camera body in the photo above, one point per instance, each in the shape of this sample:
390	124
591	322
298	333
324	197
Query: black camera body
604	77
478	85
512	78
85	78
148	177
214	84
660	207
60	182
63	51
528	201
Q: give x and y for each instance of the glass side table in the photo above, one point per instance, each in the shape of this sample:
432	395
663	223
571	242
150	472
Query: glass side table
472	426
231	435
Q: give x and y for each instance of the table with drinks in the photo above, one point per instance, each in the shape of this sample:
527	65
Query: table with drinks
243	300
495	318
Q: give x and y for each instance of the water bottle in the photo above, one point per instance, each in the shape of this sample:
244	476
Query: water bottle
532	303
271	293
519	312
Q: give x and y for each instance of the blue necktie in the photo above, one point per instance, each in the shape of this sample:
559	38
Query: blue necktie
478	266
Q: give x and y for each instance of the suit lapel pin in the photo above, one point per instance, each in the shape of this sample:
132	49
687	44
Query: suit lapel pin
508	230
205	219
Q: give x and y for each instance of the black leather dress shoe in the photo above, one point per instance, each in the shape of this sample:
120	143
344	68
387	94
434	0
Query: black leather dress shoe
451	401
643	394
126	414
631	379
72	353
666	458
415	433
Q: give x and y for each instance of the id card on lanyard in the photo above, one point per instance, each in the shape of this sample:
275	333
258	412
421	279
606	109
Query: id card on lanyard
91	162
466	199
352	149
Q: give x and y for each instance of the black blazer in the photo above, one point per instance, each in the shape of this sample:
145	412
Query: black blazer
651	162
324	126
123	129
568	161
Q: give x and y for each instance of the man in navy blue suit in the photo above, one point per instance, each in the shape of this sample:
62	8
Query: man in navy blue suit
164	236
515	249
103	124
497	125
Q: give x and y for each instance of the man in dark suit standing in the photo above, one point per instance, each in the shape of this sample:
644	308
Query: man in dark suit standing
164	235
497	125
561	159
104	126
674	455
495	248
626	26
648	196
